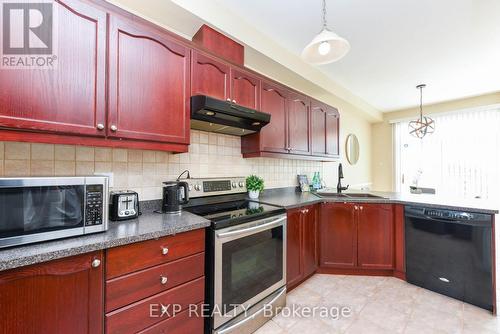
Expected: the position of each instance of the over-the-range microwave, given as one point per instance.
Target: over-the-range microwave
(34, 209)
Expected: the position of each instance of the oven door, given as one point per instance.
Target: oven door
(37, 209)
(250, 264)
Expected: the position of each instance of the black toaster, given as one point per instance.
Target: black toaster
(123, 205)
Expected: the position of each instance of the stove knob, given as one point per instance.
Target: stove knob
(197, 187)
(233, 184)
(241, 184)
(190, 187)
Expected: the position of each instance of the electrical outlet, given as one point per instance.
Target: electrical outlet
(110, 177)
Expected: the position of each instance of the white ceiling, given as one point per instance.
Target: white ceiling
(451, 45)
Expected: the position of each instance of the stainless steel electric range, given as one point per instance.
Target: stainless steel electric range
(246, 255)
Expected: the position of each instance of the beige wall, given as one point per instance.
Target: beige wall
(353, 118)
(382, 135)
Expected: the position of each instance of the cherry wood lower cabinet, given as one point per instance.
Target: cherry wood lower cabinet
(147, 277)
(60, 296)
(357, 236)
(302, 252)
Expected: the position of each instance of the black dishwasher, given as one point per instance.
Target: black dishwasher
(450, 252)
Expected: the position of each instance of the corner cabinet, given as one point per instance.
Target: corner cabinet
(324, 130)
(70, 98)
(357, 236)
(149, 84)
(302, 252)
(60, 296)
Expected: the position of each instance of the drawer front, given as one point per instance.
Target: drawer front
(182, 323)
(147, 312)
(129, 288)
(127, 259)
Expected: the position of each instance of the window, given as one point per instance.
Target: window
(460, 159)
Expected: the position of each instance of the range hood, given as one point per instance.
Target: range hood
(209, 114)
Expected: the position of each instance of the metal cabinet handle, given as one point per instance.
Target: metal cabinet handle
(113, 128)
(355, 207)
(164, 250)
(100, 126)
(163, 280)
(361, 207)
(96, 263)
(234, 101)
(228, 100)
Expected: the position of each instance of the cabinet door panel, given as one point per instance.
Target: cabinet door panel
(149, 84)
(71, 97)
(274, 135)
(245, 89)
(294, 270)
(318, 128)
(376, 236)
(61, 296)
(338, 236)
(310, 237)
(298, 124)
(209, 77)
(332, 131)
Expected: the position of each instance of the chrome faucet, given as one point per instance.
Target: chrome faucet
(339, 184)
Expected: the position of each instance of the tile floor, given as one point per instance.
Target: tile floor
(379, 305)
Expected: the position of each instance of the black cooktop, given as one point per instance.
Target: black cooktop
(228, 213)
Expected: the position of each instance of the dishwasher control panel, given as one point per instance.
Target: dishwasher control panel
(448, 214)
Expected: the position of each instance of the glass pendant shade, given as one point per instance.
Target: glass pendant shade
(325, 48)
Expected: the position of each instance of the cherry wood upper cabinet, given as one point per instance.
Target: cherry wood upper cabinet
(318, 128)
(149, 84)
(61, 296)
(294, 270)
(245, 89)
(338, 235)
(310, 237)
(298, 124)
(210, 77)
(375, 236)
(332, 131)
(71, 97)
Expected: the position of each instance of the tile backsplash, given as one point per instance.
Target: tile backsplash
(210, 155)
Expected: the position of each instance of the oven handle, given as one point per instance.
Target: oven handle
(236, 325)
(257, 228)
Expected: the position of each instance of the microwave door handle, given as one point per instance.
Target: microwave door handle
(230, 329)
(257, 228)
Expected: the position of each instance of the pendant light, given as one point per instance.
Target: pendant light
(326, 47)
(423, 125)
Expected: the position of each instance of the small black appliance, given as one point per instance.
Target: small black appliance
(175, 194)
(123, 205)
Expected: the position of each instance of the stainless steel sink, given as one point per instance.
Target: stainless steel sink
(347, 195)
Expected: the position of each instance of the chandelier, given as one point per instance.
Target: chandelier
(423, 125)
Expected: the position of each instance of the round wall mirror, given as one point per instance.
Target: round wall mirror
(352, 149)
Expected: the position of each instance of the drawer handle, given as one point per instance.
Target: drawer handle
(163, 280)
(96, 263)
(164, 250)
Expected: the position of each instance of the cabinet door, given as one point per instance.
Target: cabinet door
(69, 98)
(332, 132)
(338, 235)
(148, 84)
(209, 77)
(273, 137)
(375, 236)
(61, 296)
(298, 124)
(245, 89)
(310, 237)
(318, 128)
(294, 270)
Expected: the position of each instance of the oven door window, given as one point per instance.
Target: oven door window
(250, 265)
(31, 210)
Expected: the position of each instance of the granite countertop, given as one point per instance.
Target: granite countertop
(150, 225)
(289, 198)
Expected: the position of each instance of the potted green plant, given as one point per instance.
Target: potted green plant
(254, 185)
